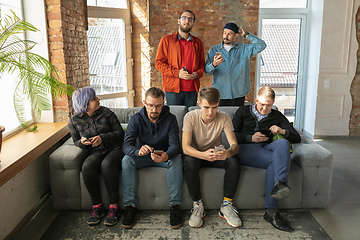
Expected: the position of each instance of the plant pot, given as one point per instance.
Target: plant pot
(1, 131)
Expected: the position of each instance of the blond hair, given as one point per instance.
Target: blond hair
(267, 92)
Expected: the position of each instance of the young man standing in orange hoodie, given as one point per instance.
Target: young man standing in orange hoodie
(180, 59)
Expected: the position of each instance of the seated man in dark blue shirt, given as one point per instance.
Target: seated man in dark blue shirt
(153, 128)
(254, 127)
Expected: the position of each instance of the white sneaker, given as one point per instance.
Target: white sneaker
(230, 214)
(197, 214)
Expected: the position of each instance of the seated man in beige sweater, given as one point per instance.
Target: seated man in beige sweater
(201, 145)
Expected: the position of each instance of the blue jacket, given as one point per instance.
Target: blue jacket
(232, 77)
(161, 135)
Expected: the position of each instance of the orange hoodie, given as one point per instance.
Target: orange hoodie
(168, 61)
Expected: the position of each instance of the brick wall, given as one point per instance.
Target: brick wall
(354, 124)
(151, 19)
(140, 48)
(68, 48)
(211, 16)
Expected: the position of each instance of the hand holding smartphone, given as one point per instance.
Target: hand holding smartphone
(185, 69)
(219, 148)
(85, 140)
(158, 152)
(266, 132)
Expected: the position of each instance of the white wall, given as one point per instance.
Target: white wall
(21, 194)
(338, 62)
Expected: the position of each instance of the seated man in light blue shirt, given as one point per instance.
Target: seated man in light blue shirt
(229, 63)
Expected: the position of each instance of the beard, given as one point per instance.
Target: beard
(154, 116)
(185, 30)
(227, 41)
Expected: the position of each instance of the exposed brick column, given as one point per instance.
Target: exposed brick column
(211, 16)
(354, 124)
(68, 48)
(140, 49)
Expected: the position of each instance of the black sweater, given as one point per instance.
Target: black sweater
(246, 124)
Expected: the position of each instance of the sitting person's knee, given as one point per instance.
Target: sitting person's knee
(283, 142)
(127, 162)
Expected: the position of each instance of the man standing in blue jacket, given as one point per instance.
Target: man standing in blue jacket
(152, 140)
(229, 63)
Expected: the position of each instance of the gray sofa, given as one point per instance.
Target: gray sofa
(309, 178)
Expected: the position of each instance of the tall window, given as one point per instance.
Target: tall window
(8, 82)
(281, 66)
(110, 58)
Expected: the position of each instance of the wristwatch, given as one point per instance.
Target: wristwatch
(246, 33)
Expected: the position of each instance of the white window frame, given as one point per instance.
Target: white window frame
(119, 13)
(291, 13)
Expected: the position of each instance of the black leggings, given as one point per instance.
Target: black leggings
(192, 166)
(109, 164)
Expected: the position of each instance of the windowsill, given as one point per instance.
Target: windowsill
(23, 148)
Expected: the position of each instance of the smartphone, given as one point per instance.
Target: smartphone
(185, 69)
(86, 140)
(218, 53)
(158, 152)
(266, 132)
(219, 148)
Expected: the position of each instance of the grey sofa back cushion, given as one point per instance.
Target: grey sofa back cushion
(124, 114)
(179, 112)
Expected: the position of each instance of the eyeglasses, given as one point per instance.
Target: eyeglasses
(190, 19)
(157, 107)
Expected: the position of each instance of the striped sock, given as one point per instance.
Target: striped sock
(227, 201)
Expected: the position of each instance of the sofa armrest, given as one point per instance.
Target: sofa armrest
(65, 166)
(317, 165)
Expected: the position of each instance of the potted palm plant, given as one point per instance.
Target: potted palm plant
(36, 76)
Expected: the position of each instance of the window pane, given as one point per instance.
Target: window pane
(108, 3)
(8, 82)
(279, 61)
(107, 55)
(115, 102)
(283, 3)
(9, 120)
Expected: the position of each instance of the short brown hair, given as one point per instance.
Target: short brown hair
(211, 94)
(267, 92)
(154, 92)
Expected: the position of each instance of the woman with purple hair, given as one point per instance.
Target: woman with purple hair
(98, 130)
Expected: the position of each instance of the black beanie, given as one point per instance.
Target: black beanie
(233, 27)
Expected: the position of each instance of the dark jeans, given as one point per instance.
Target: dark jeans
(192, 166)
(237, 102)
(187, 99)
(274, 157)
(110, 165)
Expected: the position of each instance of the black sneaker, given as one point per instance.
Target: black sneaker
(96, 214)
(112, 217)
(129, 217)
(280, 190)
(175, 217)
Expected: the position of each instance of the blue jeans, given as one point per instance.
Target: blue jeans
(274, 157)
(130, 177)
(187, 99)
